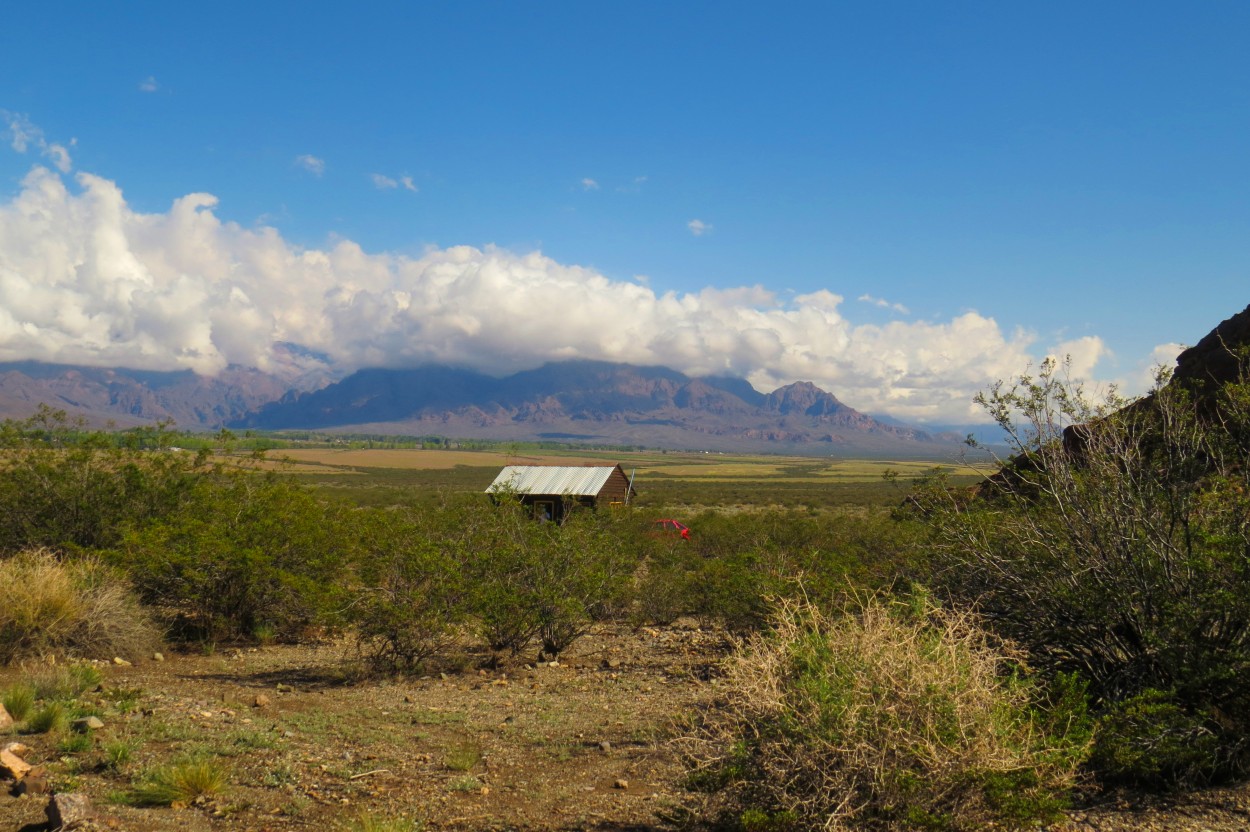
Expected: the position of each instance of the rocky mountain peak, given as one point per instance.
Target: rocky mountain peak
(1214, 360)
(803, 397)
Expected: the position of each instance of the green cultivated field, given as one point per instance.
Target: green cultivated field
(386, 476)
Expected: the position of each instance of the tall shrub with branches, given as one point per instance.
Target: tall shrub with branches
(1115, 543)
(544, 581)
(413, 596)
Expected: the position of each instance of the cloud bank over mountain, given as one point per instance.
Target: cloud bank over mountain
(85, 279)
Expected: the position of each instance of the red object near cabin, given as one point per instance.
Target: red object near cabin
(671, 528)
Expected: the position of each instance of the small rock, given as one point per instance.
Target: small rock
(408, 699)
(11, 762)
(605, 747)
(614, 663)
(35, 783)
(261, 701)
(87, 723)
(69, 811)
(120, 662)
(158, 657)
(284, 688)
(621, 784)
(6, 720)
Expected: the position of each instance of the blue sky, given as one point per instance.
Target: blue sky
(979, 183)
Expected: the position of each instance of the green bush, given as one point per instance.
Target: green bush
(585, 572)
(65, 487)
(1117, 550)
(247, 553)
(543, 580)
(890, 715)
(735, 563)
(1152, 740)
(413, 596)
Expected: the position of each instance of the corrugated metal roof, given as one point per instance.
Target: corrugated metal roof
(577, 481)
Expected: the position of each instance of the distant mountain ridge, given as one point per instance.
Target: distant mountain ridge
(595, 401)
(132, 397)
(575, 401)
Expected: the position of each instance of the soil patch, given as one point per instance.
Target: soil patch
(578, 745)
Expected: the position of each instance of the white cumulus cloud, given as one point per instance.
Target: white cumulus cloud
(86, 279)
(1163, 356)
(884, 304)
(589, 184)
(698, 227)
(23, 135)
(389, 183)
(311, 163)
(149, 84)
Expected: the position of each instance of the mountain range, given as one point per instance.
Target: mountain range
(574, 401)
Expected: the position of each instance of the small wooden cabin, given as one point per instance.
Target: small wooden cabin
(551, 491)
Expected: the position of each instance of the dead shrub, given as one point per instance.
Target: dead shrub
(890, 716)
(73, 606)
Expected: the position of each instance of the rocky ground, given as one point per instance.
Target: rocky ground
(581, 744)
(578, 744)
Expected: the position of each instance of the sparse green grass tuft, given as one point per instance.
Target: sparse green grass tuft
(63, 681)
(117, 754)
(380, 823)
(465, 784)
(52, 718)
(180, 783)
(463, 757)
(265, 634)
(75, 743)
(19, 700)
(124, 700)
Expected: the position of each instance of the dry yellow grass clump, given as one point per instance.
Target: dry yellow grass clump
(890, 716)
(68, 606)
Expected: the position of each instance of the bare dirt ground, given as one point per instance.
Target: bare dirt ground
(578, 746)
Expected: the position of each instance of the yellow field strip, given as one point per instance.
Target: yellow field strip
(416, 459)
(668, 467)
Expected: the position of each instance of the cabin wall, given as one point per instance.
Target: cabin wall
(615, 489)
